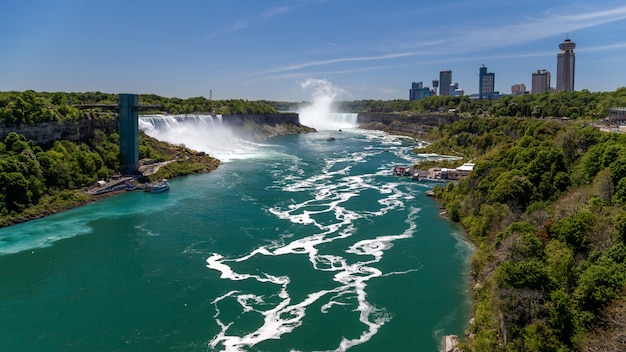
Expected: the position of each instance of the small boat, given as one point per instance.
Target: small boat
(330, 139)
(401, 171)
(157, 187)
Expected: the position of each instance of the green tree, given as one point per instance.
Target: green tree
(600, 283)
(530, 273)
(560, 264)
(512, 188)
(574, 230)
(14, 186)
(563, 315)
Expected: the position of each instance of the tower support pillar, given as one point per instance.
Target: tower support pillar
(129, 132)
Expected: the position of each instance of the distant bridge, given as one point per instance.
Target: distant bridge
(116, 107)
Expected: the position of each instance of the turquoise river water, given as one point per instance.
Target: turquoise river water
(298, 244)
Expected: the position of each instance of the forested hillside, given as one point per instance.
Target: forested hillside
(578, 104)
(545, 206)
(17, 108)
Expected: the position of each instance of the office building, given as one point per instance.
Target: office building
(486, 83)
(541, 82)
(445, 80)
(419, 92)
(565, 66)
(435, 86)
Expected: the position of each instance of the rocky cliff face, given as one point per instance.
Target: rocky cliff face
(421, 119)
(257, 126)
(406, 124)
(262, 119)
(48, 132)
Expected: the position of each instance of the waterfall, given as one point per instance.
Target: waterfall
(150, 123)
(204, 133)
(345, 118)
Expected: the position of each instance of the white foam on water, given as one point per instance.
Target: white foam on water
(329, 193)
(329, 214)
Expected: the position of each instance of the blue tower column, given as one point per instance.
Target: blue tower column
(129, 132)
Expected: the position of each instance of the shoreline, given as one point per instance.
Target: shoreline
(80, 197)
(78, 203)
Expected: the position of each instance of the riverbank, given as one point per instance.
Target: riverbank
(69, 199)
(64, 200)
(171, 161)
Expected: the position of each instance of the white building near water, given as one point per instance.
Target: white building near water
(465, 169)
(451, 174)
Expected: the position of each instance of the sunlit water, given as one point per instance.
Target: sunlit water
(299, 244)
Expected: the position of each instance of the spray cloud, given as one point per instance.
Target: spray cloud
(319, 114)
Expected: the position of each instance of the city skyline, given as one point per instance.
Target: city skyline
(540, 82)
(268, 50)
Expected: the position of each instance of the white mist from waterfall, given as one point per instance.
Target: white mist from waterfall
(319, 113)
(207, 134)
(203, 133)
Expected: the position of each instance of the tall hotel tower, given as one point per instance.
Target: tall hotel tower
(541, 81)
(445, 80)
(565, 61)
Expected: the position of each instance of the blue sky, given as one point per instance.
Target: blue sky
(267, 49)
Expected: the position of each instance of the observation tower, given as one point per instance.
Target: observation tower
(565, 66)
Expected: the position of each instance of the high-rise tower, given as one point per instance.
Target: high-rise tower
(445, 80)
(565, 64)
(486, 83)
(541, 81)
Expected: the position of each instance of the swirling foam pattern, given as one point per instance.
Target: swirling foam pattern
(337, 202)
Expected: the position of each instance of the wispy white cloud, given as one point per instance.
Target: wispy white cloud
(244, 23)
(547, 25)
(476, 39)
(275, 11)
(342, 60)
(603, 48)
(319, 73)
